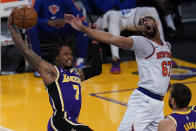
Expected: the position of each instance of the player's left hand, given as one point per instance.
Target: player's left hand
(75, 22)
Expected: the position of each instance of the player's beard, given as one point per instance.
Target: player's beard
(67, 67)
(150, 31)
(63, 65)
(170, 104)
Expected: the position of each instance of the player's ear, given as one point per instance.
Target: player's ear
(172, 101)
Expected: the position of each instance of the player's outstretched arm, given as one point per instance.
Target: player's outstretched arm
(95, 67)
(101, 36)
(47, 71)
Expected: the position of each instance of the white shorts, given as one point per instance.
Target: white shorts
(143, 113)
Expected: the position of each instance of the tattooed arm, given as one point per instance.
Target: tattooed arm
(47, 71)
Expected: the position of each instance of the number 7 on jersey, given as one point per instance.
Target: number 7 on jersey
(76, 87)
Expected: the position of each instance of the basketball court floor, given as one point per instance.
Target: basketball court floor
(24, 102)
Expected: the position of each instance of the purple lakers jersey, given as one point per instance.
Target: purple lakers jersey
(65, 95)
(184, 121)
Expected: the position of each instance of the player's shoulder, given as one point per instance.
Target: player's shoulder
(139, 38)
(167, 124)
(168, 44)
(167, 120)
(57, 68)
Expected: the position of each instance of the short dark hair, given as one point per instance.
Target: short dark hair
(144, 18)
(181, 94)
(69, 42)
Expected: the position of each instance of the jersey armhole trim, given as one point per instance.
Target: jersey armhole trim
(59, 89)
(72, 123)
(168, 46)
(58, 74)
(173, 119)
(152, 52)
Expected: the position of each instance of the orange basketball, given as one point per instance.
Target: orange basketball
(24, 17)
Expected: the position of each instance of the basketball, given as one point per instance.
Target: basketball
(24, 17)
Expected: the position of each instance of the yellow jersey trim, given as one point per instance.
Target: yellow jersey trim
(51, 122)
(183, 113)
(174, 120)
(59, 89)
(54, 107)
(71, 122)
(192, 108)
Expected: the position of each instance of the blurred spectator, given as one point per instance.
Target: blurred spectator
(117, 21)
(52, 27)
(99, 7)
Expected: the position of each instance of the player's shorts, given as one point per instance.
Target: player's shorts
(64, 125)
(143, 113)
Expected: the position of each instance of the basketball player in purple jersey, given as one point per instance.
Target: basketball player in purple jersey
(183, 118)
(62, 82)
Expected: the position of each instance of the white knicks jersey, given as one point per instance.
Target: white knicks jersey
(154, 64)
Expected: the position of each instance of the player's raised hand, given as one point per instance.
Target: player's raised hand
(75, 22)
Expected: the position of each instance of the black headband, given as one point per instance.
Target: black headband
(145, 18)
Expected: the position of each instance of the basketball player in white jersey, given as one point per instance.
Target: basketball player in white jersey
(127, 19)
(153, 55)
